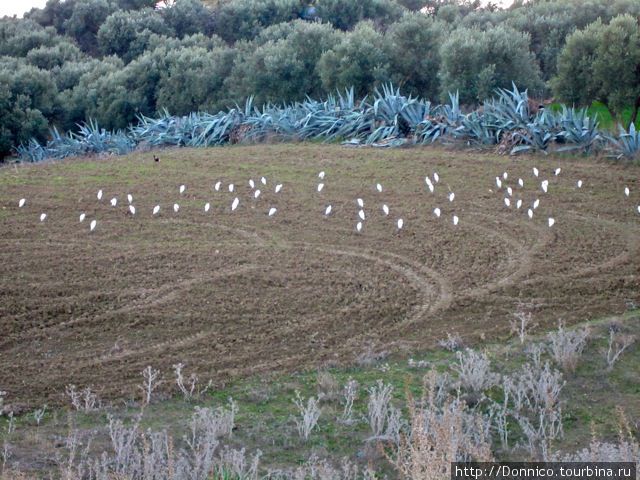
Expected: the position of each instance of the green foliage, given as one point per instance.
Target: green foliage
(203, 70)
(414, 54)
(27, 97)
(574, 84)
(244, 19)
(476, 62)
(85, 21)
(359, 61)
(101, 94)
(282, 70)
(188, 17)
(68, 74)
(602, 62)
(48, 58)
(18, 37)
(549, 23)
(54, 14)
(345, 14)
(126, 34)
(113, 60)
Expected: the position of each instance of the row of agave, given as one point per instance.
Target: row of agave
(386, 119)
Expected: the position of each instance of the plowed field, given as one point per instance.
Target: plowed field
(231, 293)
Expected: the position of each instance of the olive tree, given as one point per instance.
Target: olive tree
(193, 79)
(27, 100)
(602, 62)
(476, 62)
(126, 34)
(244, 19)
(282, 70)
(360, 60)
(345, 14)
(414, 54)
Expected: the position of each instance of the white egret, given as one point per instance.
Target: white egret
(156, 209)
(176, 207)
(235, 203)
(216, 187)
(92, 225)
(385, 209)
(535, 171)
(231, 187)
(455, 220)
(21, 203)
(536, 203)
(256, 194)
(99, 195)
(437, 212)
(551, 222)
(545, 185)
(530, 213)
(278, 188)
(579, 183)
(429, 184)
(436, 177)
(452, 196)
(510, 191)
(321, 175)
(207, 206)
(132, 209)
(114, 201)
(361, 214)
(519, 203)
(557, 171)
(498, 182)
(507, 202)
(82, 217)
(521, 182)
(320, 187)
(378, 187)
(263, 180)
(626, 191)
(43, 216)
(359, 227)
(360, 202)
(505, 175)
(400, 223)
(129, 198)
(252, 184)
(638, 208)
(182, 189)
(272, 211)
(327, 210)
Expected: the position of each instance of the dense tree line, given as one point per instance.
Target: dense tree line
(112, 60)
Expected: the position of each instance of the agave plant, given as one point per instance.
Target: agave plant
(579, 130)
(31, 152)
(386, 119)
(533, 137)
(626, 145)
(477, 130)
(509, 111)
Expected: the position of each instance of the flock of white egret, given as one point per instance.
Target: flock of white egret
(512, 198)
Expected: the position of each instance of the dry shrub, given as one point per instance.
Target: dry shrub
(567, 346)
(439, 434)
(474, 370)
(627, 449)
(328, 387)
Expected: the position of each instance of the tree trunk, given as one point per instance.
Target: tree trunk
(634, 113)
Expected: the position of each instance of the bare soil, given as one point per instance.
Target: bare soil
(232, 294)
